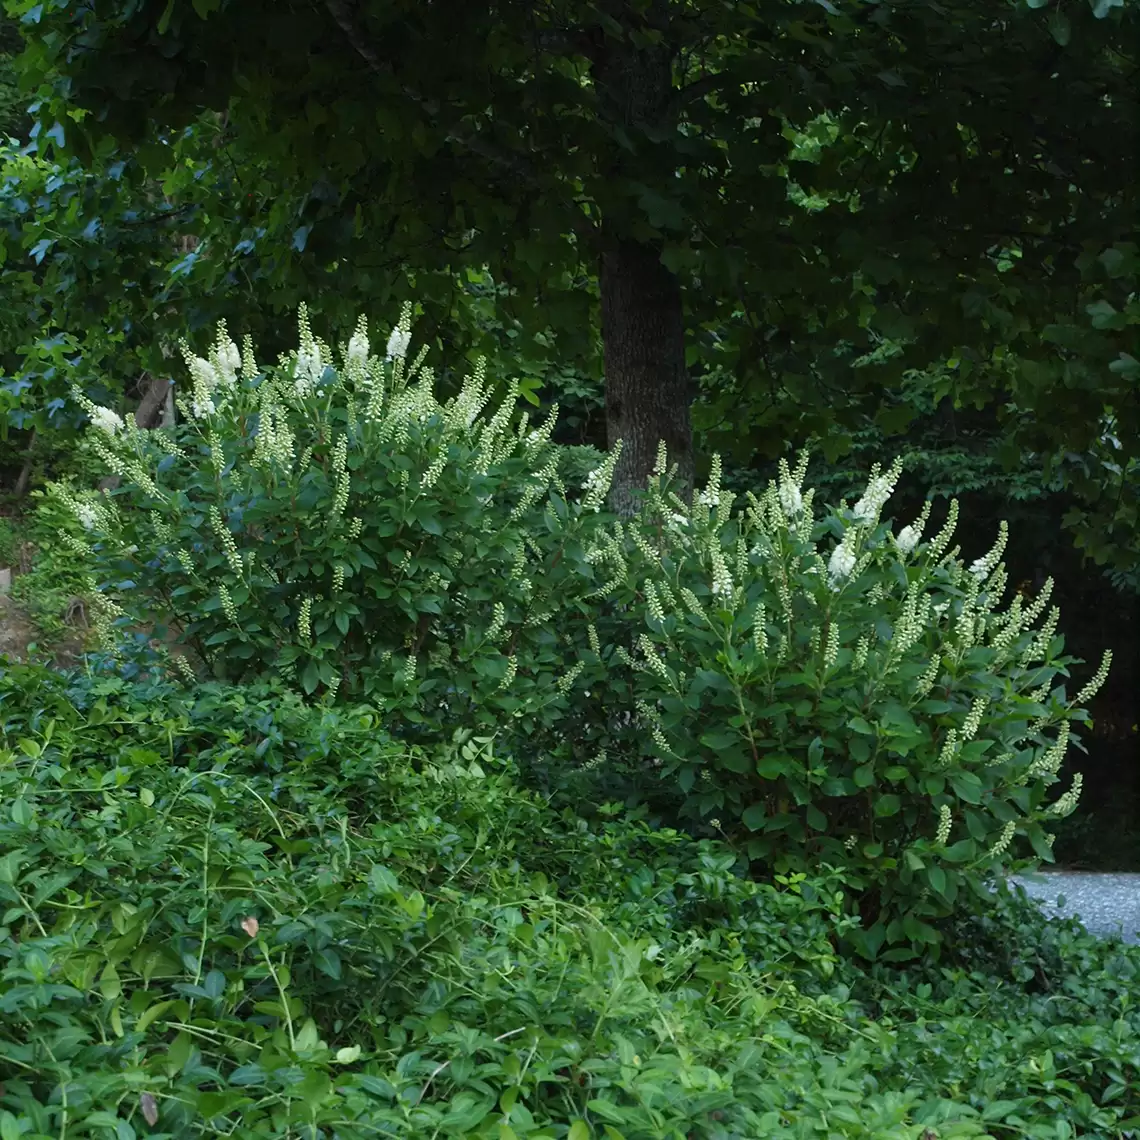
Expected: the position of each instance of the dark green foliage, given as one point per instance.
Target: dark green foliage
(841, 194)
(436, 952)
(818, 686)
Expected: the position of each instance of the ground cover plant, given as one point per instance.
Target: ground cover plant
(229, 913)
(815, 684)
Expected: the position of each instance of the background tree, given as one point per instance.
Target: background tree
(958, 161)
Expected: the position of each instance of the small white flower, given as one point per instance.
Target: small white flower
(357, 355)
(87, 515)
(841, 564)
(677, 521)
(709, 500)
(979, 568)
(308, 370)
(878, 491)
(791, 500)
(203, 374)
(398, 344)
(107, 421)
(229, 362)
(906, 540)
(201, 408)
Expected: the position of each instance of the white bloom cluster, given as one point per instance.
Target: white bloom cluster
(982, 567)
(878, 491)
(1050, 763)
(941, 541)
(692, 604)
(842, 562)
(311, 360)
(653, 602)
(106, 420)
(356, 354)
(949, 749)
(305, 621)
(945, 820)
(1001, 844)
(399, 342)
(721, 579)
(510, 674)
(1067, 803)
(906, 540)
(789, 491)
(598, 482)
(973, 719)
(791, 500)
(308, 370)
(831, 646)
(760, 631)
(1094, 685)
(227, 540)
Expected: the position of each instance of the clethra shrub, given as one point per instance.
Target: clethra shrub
(814, 685)
(343, 529)
(827, 690)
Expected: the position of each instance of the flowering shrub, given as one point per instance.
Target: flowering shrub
(346, 529)
(825, 690)
(815, 686)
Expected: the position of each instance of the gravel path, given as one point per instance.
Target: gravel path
(1107, 904)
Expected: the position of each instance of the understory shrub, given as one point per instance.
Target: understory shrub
(835, 692)
(226, 912)
(809, 684)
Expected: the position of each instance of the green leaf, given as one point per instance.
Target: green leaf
(887, 805)
(579, 1130)
(960, 852)
(328, 962)
(311, 675)
(774, 765)
(967, 786)
(753, 817)
(382, 880)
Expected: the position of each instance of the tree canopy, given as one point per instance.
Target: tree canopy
(787, 207)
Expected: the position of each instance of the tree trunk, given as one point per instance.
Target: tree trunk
(25, 476)
(149, 413)
(647, 384)
(643, 334)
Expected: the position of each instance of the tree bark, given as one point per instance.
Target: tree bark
(643, 333)
(25, 476)
(150, 410)
(647, 384)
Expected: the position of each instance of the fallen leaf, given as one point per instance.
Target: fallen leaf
(250, 926)
(149, 1109)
